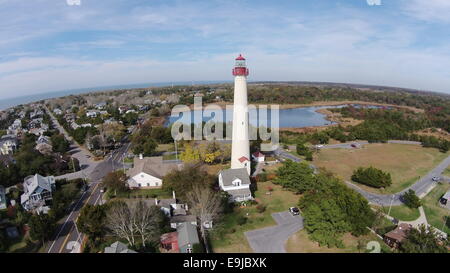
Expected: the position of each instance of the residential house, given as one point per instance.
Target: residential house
(74, 125)
(2, 197)
(123, 109)
(8, 144)
(118, 247)
(181, 241)
(57, 111)
(91, 114)
(6, 160)
(15, 128)
(100, 106)
(43, 145)
(37, 193)
(395, 237)
(236, 183)
(258, 157)
(178, 213)
(147, 172)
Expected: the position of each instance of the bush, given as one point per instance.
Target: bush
(411, 200)
(372, 177)
(241, 220)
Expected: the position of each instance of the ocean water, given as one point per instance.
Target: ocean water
(11, 102)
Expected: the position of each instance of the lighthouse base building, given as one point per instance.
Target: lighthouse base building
(236, 181)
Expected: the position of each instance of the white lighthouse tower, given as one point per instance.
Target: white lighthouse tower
(240, 150)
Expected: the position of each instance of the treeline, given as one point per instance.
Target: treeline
(329, 208)
(145, 140)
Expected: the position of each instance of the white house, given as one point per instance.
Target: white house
(8, 144)
(91, 114)
(37, 193)
(258, 157)
(147, 172)
(236, 183)
(57, 111)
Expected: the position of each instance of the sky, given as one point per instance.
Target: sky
(51, 45)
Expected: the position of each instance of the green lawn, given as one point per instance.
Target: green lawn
(144, 193)
(436, 215)
(447, 172)
(229, 235)
(405, 163)
(402, 213)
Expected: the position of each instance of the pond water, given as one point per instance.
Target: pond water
(288, 118)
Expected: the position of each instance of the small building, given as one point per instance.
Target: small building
(3, 204)
(258, 156)
(91, 114)
(37, 193)
(181, 241)
(118, 247)
(57, 111)
(236, 183)
(147, 172)
(395, 237)
(445, 200)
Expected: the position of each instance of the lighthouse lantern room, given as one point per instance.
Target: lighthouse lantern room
(240, 69)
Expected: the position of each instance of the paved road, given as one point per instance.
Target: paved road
(273, 239)
(421, 187)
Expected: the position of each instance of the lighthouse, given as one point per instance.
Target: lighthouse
(240, 149)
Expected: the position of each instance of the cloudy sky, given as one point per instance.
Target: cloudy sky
(49, 45)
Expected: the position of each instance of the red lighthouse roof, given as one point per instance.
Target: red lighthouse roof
(240, 58)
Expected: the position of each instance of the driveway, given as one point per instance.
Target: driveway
(272, 239)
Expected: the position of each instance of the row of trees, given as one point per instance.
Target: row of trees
(329, 207)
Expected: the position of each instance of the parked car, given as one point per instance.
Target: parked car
(102, 190)
(353, 145)
(294, 211)
(435, 178)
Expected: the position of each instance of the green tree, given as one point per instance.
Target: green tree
(115, 181)
(42, 227)
(298, 177)
(182, 181)
(411, 199)
(422, 240)
(60, 144)
(91, 221)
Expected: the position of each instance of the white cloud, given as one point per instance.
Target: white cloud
(428, 10)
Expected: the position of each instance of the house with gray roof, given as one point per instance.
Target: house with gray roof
(445, 200)
(187, 237)
(236, 183)
(118, 247)
(147, 172)
(37, 193)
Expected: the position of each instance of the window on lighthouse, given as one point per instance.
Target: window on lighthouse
(240, 63)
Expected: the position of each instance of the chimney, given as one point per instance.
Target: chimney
(141, 156)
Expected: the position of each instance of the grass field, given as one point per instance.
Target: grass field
(232, 238)
(436, 215)
(405, 163)
(447, 172)
(402, 213)
(300, 243)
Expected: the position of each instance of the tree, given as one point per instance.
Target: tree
(206, 205)
(372, 177)
(422, 240)
(137, 220)
(42, 227)
(115, 181)
(182, 181)
(60, 144)
(411, 199)
(91, 221)
(190, 155)
(297, 177)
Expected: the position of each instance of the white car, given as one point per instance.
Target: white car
(294, 211)
(319, 146)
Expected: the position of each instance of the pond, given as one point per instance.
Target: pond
(288, 118)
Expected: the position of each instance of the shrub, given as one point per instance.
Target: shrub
(411, 199)
(372, 177)
(241, 220)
